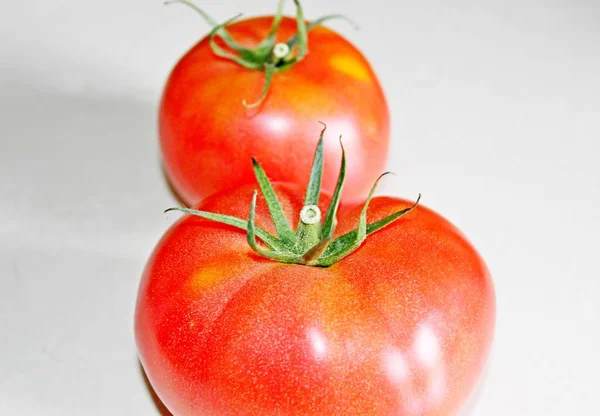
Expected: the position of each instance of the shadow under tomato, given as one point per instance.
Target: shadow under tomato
(171, 187)
(173, 191)
(471, 404)
(160, 406)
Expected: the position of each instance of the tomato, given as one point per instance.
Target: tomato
(400, 326)
(207, 134)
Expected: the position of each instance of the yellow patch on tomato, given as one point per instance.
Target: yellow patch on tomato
(350, 66)
(207, 277)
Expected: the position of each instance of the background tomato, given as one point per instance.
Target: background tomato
(207, 135)
(401, 326)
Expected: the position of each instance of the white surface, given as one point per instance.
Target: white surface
(496, 120)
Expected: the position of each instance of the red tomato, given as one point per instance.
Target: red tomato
(402, 326)
(207, 135)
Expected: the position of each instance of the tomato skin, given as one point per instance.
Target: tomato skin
(402, 326)
(207, 136)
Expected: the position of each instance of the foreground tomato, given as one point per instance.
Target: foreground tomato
(207, 134)
(400, 324)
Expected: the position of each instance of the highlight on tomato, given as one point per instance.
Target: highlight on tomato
(272, 305)
(254, 87)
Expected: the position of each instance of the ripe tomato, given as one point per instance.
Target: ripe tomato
(402, 326)
(207, 135)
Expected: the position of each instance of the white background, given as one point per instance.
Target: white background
(496, 120)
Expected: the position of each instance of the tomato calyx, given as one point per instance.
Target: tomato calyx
(312, 242)
(268, 56)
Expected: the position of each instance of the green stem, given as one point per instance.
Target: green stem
(308, 233)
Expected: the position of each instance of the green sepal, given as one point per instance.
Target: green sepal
(221, 31)
(269, 71)
(378, 225)
(330, 218)
(280, 221)
(281, 256)
(316, 173)
(371, 228)
(340, 251)
(246, 58)
(302, 35)
(265, 47)
(266, 238)
(311, 257)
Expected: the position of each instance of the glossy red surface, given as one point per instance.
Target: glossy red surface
(402, 326)
(208, 137)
